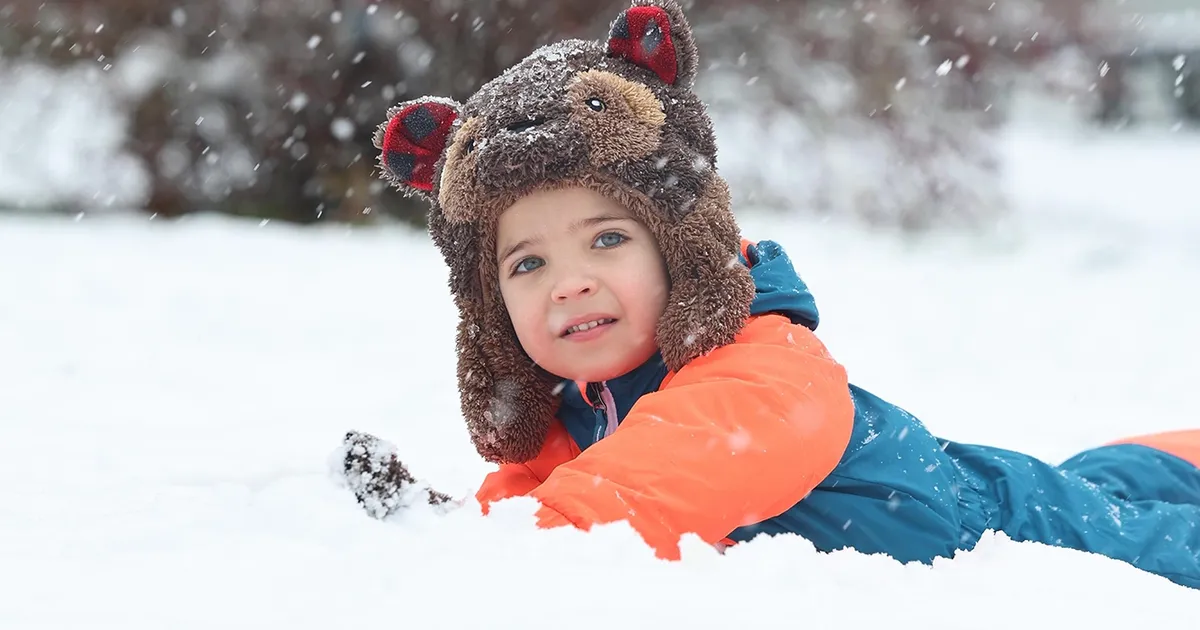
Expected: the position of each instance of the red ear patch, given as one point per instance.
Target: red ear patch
(414, 141)
(642, 35)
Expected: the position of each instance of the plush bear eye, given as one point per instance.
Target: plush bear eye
(595, 103)
(469, 147)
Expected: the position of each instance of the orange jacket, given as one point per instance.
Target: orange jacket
(737, 436)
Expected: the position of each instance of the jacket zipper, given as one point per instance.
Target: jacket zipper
(601, 399)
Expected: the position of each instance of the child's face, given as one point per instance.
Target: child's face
(572, 256)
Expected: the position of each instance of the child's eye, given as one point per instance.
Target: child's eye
(609, 239)
(525, 265)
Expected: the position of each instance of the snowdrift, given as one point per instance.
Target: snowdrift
(170, 393)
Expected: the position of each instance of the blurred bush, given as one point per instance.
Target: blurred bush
(266, 108)
(887, 110)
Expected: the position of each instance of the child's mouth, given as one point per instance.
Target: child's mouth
(582, 329)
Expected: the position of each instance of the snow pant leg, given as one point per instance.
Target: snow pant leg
(1108, 501)
(1098, 501)
(1134, 471)
(1153, 519)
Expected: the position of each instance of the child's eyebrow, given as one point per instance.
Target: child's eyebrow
(596, 220)
(516, 246)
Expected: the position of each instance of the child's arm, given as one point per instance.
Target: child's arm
(736, 437)
(512, 480)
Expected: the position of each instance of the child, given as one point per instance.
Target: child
(625, 355)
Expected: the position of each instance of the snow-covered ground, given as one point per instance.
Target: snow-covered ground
(170, 393)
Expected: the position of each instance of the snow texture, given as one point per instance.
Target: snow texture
(170, 395)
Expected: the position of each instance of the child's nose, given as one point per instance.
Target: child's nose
(574, 286)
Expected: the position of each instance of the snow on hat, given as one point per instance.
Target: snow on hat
(618, 116)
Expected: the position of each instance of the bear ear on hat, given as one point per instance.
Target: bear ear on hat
(655, 35)
(412, 140)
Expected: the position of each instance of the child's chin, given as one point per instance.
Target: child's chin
(598, 373)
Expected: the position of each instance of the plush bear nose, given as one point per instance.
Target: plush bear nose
(525, 124)
(525, 152)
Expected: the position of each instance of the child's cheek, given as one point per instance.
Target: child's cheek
(527, 322)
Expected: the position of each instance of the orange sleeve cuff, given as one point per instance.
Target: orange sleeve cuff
(514, 480)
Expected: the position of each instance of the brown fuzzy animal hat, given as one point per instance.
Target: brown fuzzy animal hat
(618, 116)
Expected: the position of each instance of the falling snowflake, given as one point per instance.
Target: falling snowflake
(342, 128)
(504, 406)
(298, 101)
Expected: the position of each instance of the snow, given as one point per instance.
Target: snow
(172, 393)
(342, 128)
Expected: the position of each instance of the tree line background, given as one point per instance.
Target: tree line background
(266, 108)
